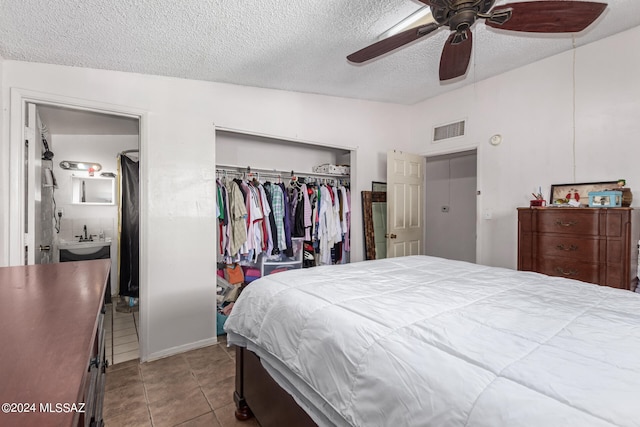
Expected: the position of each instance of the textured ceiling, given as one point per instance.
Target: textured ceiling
(296, 45)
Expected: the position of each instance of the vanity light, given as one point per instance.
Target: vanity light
(80, 166)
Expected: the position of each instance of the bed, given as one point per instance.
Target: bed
(424, 341)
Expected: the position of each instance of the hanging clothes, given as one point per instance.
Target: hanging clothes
(288, 250)
(257, 219)
(278, 204)
(238, 218)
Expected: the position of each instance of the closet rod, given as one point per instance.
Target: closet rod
(249, 169)
(242, 173)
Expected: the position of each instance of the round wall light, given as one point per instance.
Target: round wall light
(495, 139)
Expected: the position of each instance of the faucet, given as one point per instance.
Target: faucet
(85, 237)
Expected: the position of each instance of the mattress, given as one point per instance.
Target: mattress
(424, 341)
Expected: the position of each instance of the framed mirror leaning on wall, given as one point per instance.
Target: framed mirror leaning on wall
(374, 211)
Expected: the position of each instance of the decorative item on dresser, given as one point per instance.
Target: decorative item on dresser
(596, 245)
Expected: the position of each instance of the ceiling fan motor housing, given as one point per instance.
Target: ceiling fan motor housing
(459, 15)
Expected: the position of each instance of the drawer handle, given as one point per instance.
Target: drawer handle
(566, 273)
(569, 249)
(566, 224)
(94, 362)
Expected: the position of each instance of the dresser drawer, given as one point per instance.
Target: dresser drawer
(571, 269)
(570, 221)
(580, 248)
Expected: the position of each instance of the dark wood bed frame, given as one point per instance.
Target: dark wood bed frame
(257, 394)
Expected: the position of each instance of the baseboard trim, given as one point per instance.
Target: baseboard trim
(181, 349)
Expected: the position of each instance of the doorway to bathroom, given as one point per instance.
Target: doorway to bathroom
(75, 204)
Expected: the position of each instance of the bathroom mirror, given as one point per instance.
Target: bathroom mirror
(93, 190)
(374, 211)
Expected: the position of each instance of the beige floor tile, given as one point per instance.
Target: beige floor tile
(214, 373)
(220, 394)
(207, 358)
(206, 420)
(164, 366)
(162, 387)
(125, 339)
(133, 362)
(231, 351)
(125, 348)
(119, 324)
(124, 332)
(118, 314)
(125, 357)
(135, 418)
(123, 400)
(226, 417)
(122, 317)
(177, 409)
(122, 377)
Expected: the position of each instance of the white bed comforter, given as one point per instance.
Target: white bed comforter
(423, 341)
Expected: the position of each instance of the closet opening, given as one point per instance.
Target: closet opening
(281, 205)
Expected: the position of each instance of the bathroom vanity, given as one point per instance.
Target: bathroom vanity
(52, 353)
(87, 250)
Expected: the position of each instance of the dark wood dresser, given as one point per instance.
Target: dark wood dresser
(52, 344)
(596, 245)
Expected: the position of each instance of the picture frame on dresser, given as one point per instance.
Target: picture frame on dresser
(560, 191)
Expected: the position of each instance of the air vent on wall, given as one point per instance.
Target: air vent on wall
(451, 130)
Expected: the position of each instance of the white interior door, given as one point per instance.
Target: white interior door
(405, 222)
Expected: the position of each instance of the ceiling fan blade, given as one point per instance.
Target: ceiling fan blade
(456, 55)
(546, 16)
(391, 43)
(435, 3)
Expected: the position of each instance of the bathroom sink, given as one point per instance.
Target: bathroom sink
(83, 248)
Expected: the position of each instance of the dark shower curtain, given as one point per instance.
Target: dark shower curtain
(129, 232)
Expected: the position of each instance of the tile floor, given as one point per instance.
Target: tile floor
(189, 389)
(121, 335)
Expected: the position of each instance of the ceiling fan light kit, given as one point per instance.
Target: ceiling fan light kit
(540, 16)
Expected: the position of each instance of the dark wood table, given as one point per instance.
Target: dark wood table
(48, 327)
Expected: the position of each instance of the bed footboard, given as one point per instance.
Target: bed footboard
(258, 394)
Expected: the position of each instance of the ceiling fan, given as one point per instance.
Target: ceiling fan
(542, 16)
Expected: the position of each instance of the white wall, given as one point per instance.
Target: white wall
(533, 108)
(177, 172)
(265, 153)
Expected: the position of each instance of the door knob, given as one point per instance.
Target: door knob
(45, 248)
(390, 236)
